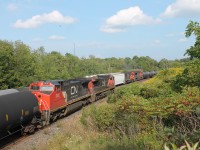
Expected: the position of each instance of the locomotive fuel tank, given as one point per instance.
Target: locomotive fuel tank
(16, 109)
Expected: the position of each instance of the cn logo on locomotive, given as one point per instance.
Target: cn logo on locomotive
(74, 90)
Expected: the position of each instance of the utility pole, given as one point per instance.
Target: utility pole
(74, 49)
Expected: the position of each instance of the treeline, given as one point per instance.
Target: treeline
(20, 65)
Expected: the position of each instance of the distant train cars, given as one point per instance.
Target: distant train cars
(46, 101)
(131, 76)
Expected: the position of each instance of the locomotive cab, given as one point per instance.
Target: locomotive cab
(49, 95)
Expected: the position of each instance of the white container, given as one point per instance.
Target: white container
(119, 78)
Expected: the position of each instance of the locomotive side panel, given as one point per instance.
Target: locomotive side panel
(129, 77)
(74, 89)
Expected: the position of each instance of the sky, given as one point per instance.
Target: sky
(102, 28)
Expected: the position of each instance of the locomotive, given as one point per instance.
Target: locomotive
(44, 102)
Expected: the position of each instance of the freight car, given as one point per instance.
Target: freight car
(119, 78)
(127, 77)
(17, 110)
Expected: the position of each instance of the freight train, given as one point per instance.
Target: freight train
(44, 102)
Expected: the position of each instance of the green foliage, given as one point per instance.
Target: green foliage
(165, 64)
(16, 65)
(145, 116)
(149, 92)
(103, 117)
(7, 74)
(20, 65)
(145, 63)
(188, 146)
(129, 90)
(193, 28)
(125, 143)
(189, 77)
(191, 73)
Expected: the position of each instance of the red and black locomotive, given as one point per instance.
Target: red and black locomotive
(46, 101)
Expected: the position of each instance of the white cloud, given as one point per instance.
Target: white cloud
(52, 17)
(111, 30)
(127, 17)
(12, 7)
(56, 37)
(182, 8)
(182, 40)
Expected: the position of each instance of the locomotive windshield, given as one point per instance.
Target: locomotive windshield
(34, 88)
(46, 88)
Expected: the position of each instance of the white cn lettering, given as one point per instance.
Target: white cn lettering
(74, 90)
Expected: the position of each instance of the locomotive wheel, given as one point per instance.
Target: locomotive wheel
(28, 130)
(92, 98)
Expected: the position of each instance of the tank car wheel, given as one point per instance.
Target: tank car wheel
(23, 133)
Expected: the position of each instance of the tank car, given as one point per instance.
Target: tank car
(17, 110)
(146, 75)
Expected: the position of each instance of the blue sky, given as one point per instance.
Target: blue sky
(103, 28)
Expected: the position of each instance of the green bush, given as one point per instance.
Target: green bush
(145, 116)
(149, 92)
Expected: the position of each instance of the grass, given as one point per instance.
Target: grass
(73, 135)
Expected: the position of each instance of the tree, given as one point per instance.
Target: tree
(193, 28)
(17, 65)
(191, 73)
(24, 64)
(7, 66)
